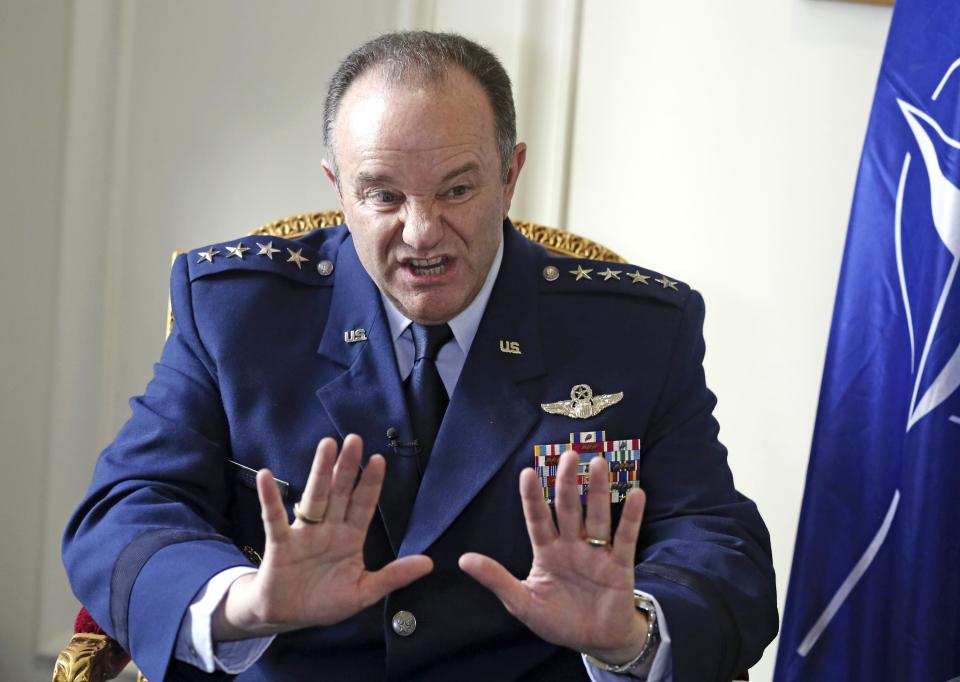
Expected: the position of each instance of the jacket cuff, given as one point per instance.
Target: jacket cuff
(163, 591)
(700, 622)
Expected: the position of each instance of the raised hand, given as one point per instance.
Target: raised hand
(312, 571)
(578, 594)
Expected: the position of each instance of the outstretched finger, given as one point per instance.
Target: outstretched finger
(492, 575)
(569, 509)
(317, 490)
(597, 523)
(628, 530)
(344, 478)
(366, 494)
(536, 512)
(398, 573)
(276, 526)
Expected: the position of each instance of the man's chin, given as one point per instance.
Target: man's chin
(431, 310)
(432, 318)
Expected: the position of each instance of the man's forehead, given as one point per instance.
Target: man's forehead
(427, 117)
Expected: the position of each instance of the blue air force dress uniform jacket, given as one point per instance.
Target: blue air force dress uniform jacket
(258, 369)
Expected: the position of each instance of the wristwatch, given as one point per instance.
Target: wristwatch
(647, 607)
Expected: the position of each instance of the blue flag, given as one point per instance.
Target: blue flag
(875, 588)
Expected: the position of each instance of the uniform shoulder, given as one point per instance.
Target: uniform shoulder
(563, 275)
(309, 259)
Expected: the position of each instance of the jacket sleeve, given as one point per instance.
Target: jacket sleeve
(151, 530)
(704, 551)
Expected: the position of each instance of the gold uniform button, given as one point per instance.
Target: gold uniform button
(551, 273)
(404, 623)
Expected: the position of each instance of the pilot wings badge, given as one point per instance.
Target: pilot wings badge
(582, 404)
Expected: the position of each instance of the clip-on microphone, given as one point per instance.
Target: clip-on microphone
(398, 445)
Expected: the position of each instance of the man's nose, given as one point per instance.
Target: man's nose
(422, 225)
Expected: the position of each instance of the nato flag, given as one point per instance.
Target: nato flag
(875, 588)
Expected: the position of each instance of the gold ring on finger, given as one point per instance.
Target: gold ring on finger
(300, 514)
(597, 542)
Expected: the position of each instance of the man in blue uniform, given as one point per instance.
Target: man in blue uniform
(431, 331)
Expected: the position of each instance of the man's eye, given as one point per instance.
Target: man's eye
(384, 196)
(457, 191)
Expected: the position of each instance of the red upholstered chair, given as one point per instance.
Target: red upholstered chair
(91, 655)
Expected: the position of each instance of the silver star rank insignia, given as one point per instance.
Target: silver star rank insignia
(208, 255)
(638, 278)
(267, 250)
(666, 283)
(581, 273)
(608, 274)
(582, 404)
(237, 251)
(296, 257)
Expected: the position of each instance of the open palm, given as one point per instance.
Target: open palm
(577, 594)
(312, 571)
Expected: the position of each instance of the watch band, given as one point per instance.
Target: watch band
(645, 605)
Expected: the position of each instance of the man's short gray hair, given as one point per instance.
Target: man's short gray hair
(429, 56)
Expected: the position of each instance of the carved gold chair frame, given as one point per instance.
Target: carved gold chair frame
(95, 658)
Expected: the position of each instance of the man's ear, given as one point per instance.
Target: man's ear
(332, 177)
(513, 172)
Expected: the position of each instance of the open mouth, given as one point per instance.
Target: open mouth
(427, 267)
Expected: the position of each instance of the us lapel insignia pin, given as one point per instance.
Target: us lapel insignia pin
(582, 404)
(510, 347)
(354, 335)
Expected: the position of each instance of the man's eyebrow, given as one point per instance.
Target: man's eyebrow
(364, 178)
(468, 167)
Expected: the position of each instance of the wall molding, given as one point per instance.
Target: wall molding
(79, 420)
(416, 15)
(538, 42)
(546, 93)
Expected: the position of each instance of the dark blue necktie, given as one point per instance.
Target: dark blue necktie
(426, 397)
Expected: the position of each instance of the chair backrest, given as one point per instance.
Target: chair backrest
(556, 241)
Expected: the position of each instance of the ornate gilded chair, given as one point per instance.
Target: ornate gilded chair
(91, 656)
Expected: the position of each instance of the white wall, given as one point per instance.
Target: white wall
(33, 57)
(718, 142)
(715, 141)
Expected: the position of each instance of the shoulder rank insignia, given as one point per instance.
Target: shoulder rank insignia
(582, 404)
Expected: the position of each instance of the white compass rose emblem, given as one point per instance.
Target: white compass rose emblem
(934, 145)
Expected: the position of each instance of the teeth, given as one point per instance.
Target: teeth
(428, 266)
(426, 263)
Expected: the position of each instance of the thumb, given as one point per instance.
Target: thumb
(492, 575)
(398, 573)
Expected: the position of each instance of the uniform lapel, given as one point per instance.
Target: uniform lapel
(366, 397)
(488, 417)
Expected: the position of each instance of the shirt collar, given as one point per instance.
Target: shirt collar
(465, 324)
